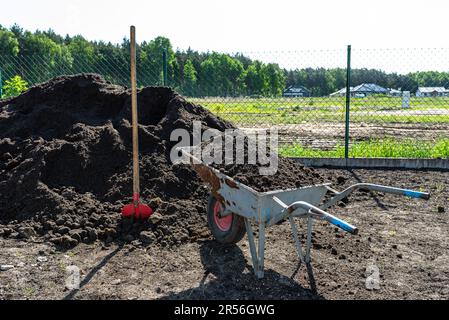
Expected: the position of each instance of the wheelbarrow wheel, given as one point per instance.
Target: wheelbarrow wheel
(226, 230)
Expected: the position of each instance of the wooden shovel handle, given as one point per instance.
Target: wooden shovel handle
(135, 123)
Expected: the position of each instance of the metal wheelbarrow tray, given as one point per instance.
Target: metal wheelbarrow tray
(233, 206)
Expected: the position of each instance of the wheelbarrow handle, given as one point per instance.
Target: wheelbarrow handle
(417, 194)
(373, 187)
(317, 212)
(334, 220)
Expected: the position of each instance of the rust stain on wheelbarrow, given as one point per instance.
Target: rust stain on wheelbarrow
(232, 184)
(208, 176)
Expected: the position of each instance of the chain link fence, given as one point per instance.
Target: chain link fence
(324, 103)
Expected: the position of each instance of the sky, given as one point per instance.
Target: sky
(268, 29)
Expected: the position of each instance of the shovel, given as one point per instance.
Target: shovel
(136, 209)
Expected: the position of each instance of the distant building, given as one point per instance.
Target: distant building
(432, 92)
(363, 90)
(341, 92)
(366, 89)
(297, 91)
(395, 93)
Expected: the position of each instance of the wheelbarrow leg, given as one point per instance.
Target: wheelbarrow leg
(252, 246)
(257, 258)
(296, 238)
(309, 238)
(261, 250)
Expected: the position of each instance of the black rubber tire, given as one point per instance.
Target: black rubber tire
(233, 235)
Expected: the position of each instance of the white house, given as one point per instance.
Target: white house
(341, 92)
(394, 92)
(432, 92)
(363, 90)
(298, 91)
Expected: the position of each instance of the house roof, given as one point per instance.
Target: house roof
(432, 89)
(341, 91)
(296, 89)
(364, 88)
(369, 88)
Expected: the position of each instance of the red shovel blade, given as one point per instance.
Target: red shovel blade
(140, 212)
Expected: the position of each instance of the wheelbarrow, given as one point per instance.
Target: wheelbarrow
(233, 207)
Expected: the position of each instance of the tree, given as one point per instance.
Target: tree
(81, 49)
(9, 45)
(152, 60)
(222, 75)
(190, 77)
(274, 80)
(254, 79)
(43, 57)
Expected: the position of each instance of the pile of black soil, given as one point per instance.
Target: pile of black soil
(264, 171)
(66, 170)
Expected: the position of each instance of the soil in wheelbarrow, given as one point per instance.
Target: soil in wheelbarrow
(66, 171)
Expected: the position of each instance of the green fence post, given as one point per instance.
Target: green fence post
(348, 102)
(165, 68)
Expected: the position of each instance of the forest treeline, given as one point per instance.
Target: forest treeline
(40, 55)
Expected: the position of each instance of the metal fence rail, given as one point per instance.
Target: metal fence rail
(325, 103)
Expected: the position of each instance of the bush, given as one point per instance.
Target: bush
(14, 86)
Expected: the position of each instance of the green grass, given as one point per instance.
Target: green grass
(386, 148)
(373, 109)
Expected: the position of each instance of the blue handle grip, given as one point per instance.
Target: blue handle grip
(343, 225)
(416, 194)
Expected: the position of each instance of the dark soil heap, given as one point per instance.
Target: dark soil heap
(66, 170)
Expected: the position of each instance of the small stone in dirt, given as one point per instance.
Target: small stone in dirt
(116, 282)
(63, 230)
(110, 232)
(109, 240)
(14, 235)
(341, 180)
(334, 251)
(65, 241)
(92, 234)
(21, 265)
(441, 210)
(158, 290)
(42, 259)
(76, 234)
(6, 267)
(155, 203)
(7, 232)
(26, 232)
(156, 218)
(128, 237)
(146, 237)
(136, 243)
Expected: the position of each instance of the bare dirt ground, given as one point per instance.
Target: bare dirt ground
(406, 239)
(328, 135)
